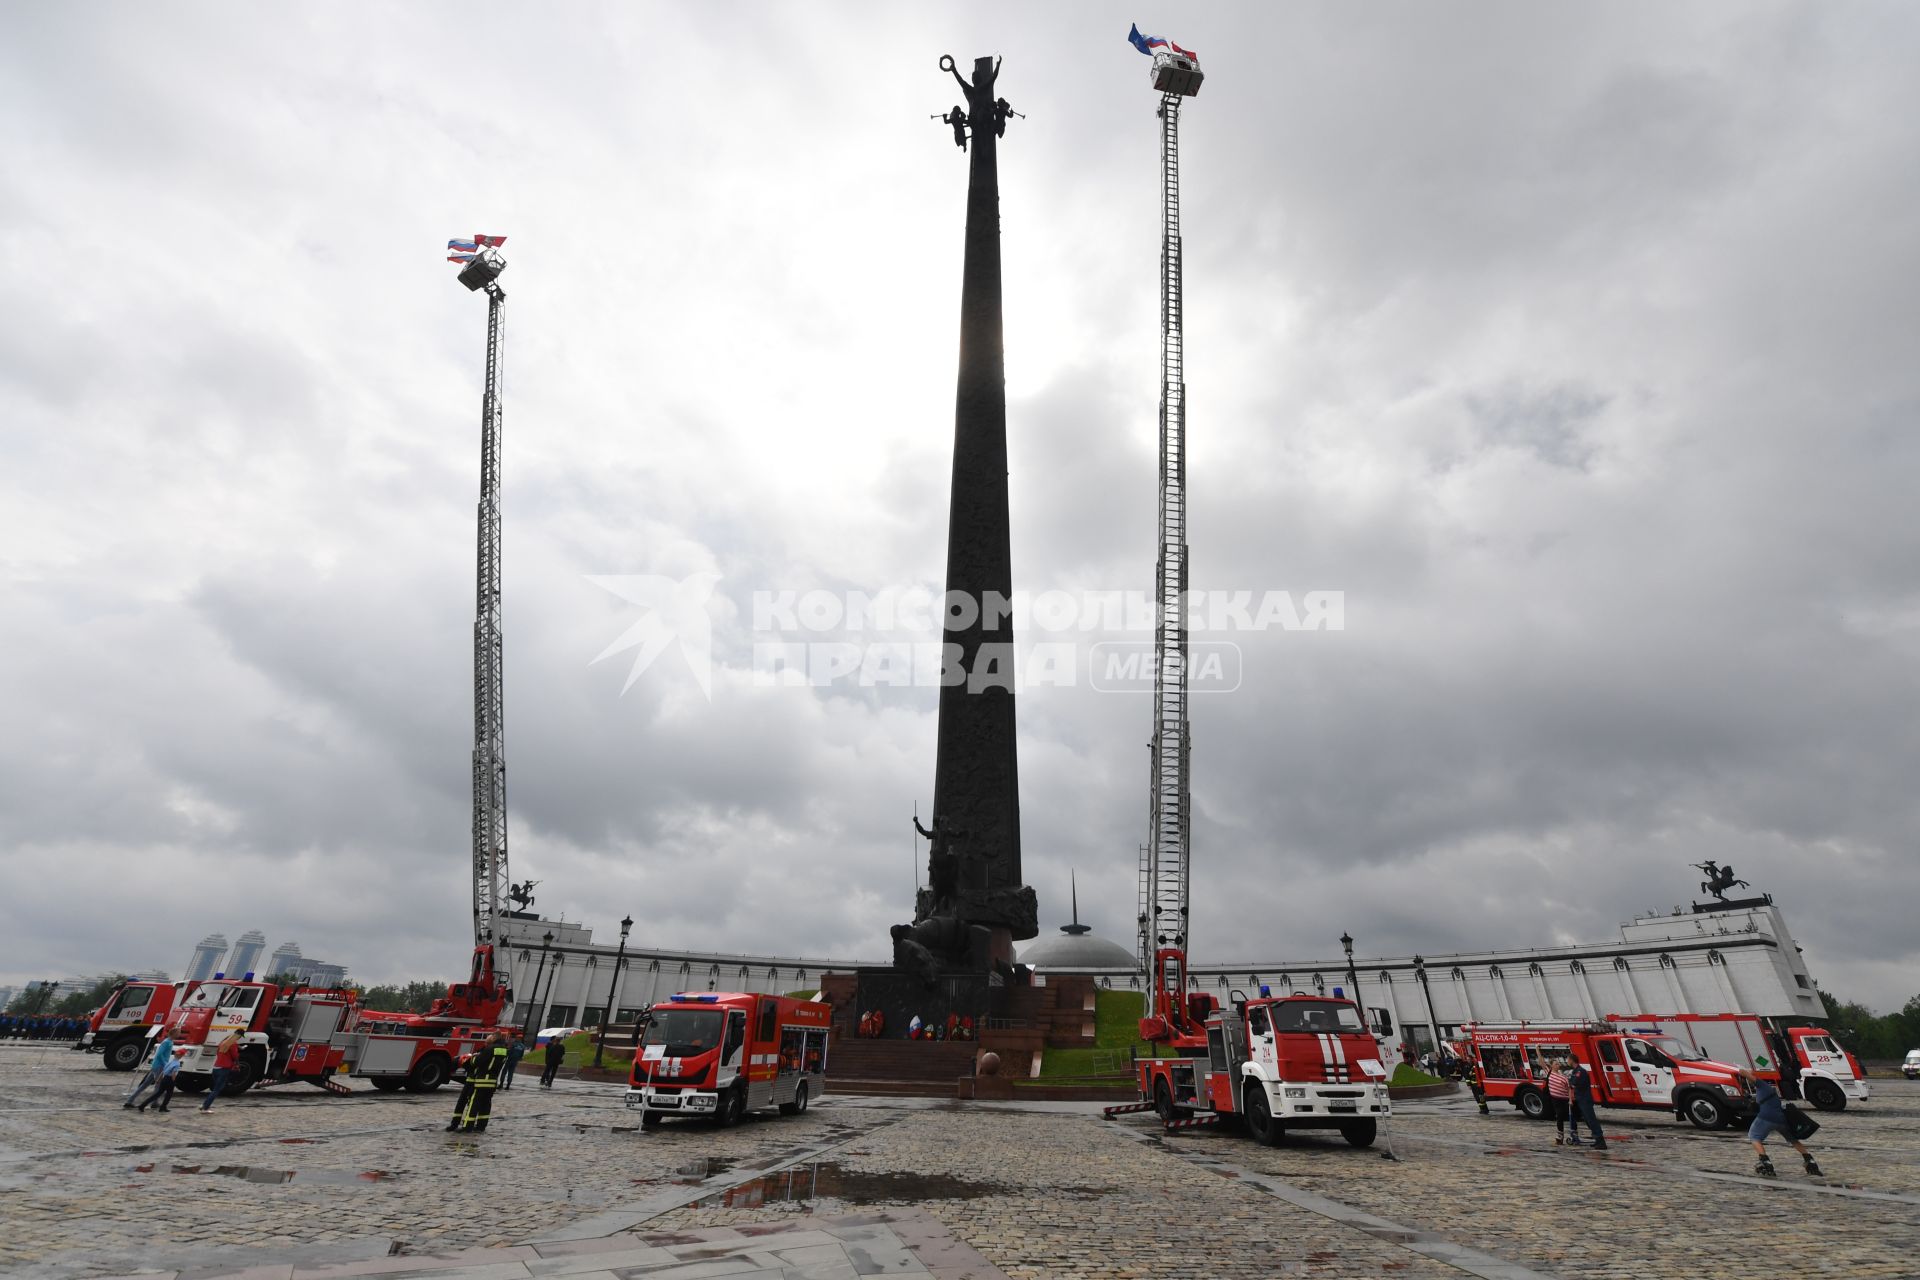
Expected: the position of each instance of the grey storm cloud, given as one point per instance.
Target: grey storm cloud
(1572, 345)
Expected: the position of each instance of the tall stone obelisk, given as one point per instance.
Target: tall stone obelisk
(975, 905)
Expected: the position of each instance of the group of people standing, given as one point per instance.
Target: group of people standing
(1570, 1094)
(40, 1026)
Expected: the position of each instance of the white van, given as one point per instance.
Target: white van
(1911, 1067)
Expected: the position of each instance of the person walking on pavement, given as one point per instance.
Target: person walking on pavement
(226, 1057)
(1581, 1082)
(468, 1065)
(516, 1050)
(162, 1054)
(483, 1076)
(1769, 1117)
(1560, 1099)
(556, 1054)
(169, 1072)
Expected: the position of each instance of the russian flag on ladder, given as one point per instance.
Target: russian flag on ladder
(1147, 44)
(468, 250)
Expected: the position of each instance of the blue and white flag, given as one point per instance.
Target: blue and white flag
(1145, 44)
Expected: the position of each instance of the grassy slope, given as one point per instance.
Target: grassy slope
(1116, 1028)
(618, 1055)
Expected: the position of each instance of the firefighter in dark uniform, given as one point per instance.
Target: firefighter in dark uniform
(484, 1068)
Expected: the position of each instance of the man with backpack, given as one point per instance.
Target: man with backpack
(1771, 1116)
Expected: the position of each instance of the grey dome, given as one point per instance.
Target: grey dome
(1076, 950)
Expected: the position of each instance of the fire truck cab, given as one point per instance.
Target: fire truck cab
(118, 1030)
(1279, 1063)
(1636, 1067)
(1804, 1062)
(722, 1054)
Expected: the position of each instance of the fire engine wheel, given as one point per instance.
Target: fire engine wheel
(1360, 1133)
(1260, 1121)
(1825, 1095)
(389, 1084)
(429, 1073)
(246, 1074)
(798, 1104)
(732, 1108)
(125, 1053)
(1532, 1104)
(1704, 1111)
(1163, 1103)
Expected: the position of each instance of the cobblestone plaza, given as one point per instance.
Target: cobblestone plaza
(293, 1183)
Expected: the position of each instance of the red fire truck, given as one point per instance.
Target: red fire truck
(1278, 1063)
(118, 1029)
(1804, 1062)
(313, 1034)
(723, 1054)
(1639, 1068)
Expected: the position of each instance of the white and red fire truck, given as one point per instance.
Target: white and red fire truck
(118, 1029)
(1277, 1063)
(1644, 1069)
(722, 1054)
(1804, 1062)
(313, 1034)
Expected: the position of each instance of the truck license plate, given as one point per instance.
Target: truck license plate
(1344, 1106)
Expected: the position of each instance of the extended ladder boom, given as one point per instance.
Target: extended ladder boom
(489, 698)
(1163, 891)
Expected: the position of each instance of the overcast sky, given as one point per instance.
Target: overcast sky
(1573, 344)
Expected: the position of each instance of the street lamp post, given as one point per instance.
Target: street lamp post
(546, 1004)
(1353, 979)
(613, 988)
(545, 943)
(1433, 1023)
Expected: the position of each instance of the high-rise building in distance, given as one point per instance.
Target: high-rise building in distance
(207, 957)
(246, 954)
(285, 957)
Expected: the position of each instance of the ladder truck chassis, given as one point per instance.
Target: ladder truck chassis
(315, 1035)
(1274, 1064)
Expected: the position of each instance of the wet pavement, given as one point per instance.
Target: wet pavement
(290, 1184)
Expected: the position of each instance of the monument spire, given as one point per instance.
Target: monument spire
(976, 787)
(1075, 929)
(974, 907)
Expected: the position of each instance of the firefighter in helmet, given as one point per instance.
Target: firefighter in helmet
(484, 1068)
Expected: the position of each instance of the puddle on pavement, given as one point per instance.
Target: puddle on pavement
(270, 1177)
(699, 1170)
(832, 1182)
